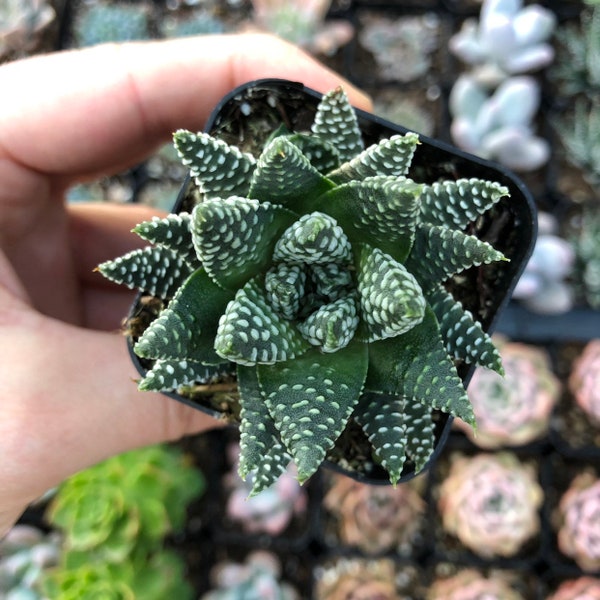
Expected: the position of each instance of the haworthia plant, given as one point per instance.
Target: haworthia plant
(318, 269)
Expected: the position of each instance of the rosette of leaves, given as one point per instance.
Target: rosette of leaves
(317, 269)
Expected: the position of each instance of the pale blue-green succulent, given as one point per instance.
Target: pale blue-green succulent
(317, 269)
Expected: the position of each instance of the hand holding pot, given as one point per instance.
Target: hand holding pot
(65, 374)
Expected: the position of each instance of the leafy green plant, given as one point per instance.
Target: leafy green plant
(114, 518)
(318, 271)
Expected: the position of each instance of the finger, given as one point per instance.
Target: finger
(105, 106)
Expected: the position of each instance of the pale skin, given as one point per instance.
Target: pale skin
(67, 395)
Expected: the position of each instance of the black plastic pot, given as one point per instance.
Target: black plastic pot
(246, 118)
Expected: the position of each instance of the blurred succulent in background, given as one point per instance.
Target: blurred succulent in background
(375, 518)
(321, 267)
(354, 579)
(410, 112)
(579, 530)
(269, 511)
(490, 503)
(25, 552)
(514, 409)
(199, 22)
(23, 24)
(470, 584)
(302, 22)
(499, 126)
(582, 588)
(577, 68)
(258, 577)
(545, 286)
(586, 242)
(401, 47)
(584, 381)
(119, 22)
(508, 39)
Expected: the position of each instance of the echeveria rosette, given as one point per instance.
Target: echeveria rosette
(318, 271)
(470, 584)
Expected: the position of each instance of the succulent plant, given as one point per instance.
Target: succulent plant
(317, 271)
(579, 531)
(374, 518)
(515, 409)
(499, 125)
(119, 22)
(402, 47)
(126, 502)
(269, 511)
(587, 251)
(357, 579)
(490, 503)
(25, 552)
(507, 40)
(470, 584)
(582, 588)
(23, 24)
(584, 381)
(258, 577)
(545, 286)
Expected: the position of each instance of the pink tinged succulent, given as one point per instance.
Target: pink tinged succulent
(469, 584)
(514, 409)
(584, 381)
(579, 533)
(582, 588)
(490, 503)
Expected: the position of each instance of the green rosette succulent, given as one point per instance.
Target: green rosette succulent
(318, 270)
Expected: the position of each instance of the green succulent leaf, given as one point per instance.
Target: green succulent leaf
(391, 300)
(439, 252)
(336, 123)
(331, 281)
(234, 237)
(187, 327)
(322, 155)
(285, 286)
(416, 364)
(172, 374)
(285, 176)
(262, 453)
(458, 203)
(311, 399)
(463, 335)
(251, 331)
(391, 157)
(157, 270)
(220, 170)
(380, 211)
(173, 232)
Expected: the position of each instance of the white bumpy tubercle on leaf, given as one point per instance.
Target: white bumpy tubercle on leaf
(317, 270)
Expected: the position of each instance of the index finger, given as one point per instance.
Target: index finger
(84, 112)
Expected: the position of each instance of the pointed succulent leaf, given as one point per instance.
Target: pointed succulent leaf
(286, 177)
(457, 203)
(285, 285)
(336, 122)
(380, 211)
(439, 252)
(322, 155)
(313, 239)
(331, 326)
(417, 365)
(420, 431)
(391, 157)
(187, 327)
(171, 374)
(261, 452)
(311, 399)
(391, 300)
(251, 332)
(157, 270)
(172, 231)
(462, 334)
(220, 170)
(234, 237)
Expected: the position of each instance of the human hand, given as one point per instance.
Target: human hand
(66, 391)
